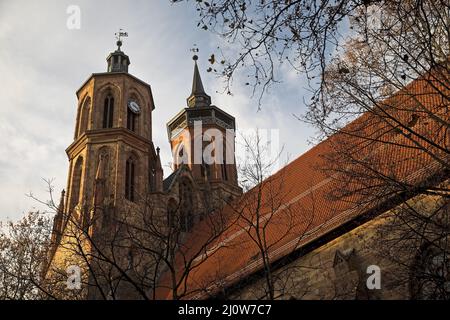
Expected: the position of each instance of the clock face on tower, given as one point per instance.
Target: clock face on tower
(134, 107)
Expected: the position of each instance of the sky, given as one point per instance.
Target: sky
(43, 63)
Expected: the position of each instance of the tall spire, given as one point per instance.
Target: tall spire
(197, 85)
(198, 97)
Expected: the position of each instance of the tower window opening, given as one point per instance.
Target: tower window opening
(108, 112)
(131, 120)
(130, 180)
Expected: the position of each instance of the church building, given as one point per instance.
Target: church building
(133, 232)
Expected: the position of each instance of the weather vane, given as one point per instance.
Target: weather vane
(119, 36)
(195, 50)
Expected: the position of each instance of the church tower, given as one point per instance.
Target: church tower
(202, 137)
(116, 180)
(113, 167)
(113, 164)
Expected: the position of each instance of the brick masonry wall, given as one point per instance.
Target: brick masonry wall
(338, 269)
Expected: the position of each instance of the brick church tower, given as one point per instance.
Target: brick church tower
(112, 161)
(113, 164)
(116, 178)
(202, 137)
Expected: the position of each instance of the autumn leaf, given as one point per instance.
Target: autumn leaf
(212, 59)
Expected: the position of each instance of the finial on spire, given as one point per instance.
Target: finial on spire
(119, 36)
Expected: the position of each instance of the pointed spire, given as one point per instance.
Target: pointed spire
(158, 159)
(198, 97)
(61, 201)
(58, 220)
(197, 85)
(159, 173)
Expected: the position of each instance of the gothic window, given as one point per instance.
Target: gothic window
(76, 183)
(431, 274)
(131, 120)
(84, 119)
(130, 179)
(186, 205)
(108, 112)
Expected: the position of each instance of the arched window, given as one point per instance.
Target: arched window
(76, 183)
(108, 112)
(84, 119)
(186, 205)
(131, 120)
(130, 179)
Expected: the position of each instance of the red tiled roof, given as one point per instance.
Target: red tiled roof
(297, 198)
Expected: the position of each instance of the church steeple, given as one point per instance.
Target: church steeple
(198, 97)
(202, 138)
(118, 61)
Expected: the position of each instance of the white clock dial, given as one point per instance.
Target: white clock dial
(134, 107)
